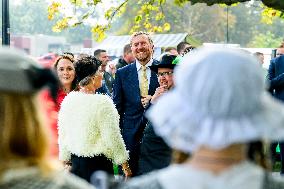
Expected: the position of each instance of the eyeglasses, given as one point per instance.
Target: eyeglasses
(164, 74)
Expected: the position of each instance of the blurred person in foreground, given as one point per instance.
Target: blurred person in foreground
(88, 126)
(24, 159)
(214, 120)
(65, 71)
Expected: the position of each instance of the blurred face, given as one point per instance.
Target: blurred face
(165, 77)
(66, 72)
(128, 57)
(280, 52)
(261, 59)
(185, 47)
(104, 59)
(173, 52)
(142, 49)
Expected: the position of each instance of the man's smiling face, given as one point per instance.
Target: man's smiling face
(141, 48)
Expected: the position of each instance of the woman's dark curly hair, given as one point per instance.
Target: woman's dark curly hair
(86, 66)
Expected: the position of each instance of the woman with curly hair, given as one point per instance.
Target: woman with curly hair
(88, 125)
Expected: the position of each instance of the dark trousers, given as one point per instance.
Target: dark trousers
(281, 144)
(84, 167)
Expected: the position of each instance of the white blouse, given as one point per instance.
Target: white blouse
(88, 125)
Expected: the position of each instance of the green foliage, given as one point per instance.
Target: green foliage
(266, 40)
(212, 2)
(31, 18)
(149, 14)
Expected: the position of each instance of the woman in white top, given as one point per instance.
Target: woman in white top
(218, 105)
(88, 125)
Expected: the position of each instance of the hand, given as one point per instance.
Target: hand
(159, 91)
(112, 69)
(126, 170)
(67, 165)
(145, 100)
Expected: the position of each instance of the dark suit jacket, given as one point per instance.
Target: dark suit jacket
(154, 152)
(108, 81)
(126, 96)
(103, 90)
(121, 63)
(276, 77)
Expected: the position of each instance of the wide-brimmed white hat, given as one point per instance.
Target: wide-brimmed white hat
(219, 99)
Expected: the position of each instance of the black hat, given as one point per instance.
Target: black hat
(166, 62)
(86, 66)
(21, 74)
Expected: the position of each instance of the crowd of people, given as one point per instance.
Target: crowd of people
(196, 117)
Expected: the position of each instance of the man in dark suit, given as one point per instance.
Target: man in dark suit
(154, 152)
(276, 79)
(126, 58)
(133, 87)
(101, 55)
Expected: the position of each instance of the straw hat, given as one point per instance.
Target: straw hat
(219, 99)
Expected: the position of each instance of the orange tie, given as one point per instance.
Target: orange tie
(143, 82)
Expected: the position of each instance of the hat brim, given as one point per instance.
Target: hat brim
(155, 68)
(188, 130)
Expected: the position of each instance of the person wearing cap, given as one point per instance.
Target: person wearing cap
(88, 126)
(212, 113)
(154, 152)
(24, 157)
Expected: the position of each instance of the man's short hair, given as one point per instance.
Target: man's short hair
(258, 54)
(168, 49)
(181, 46)
(127, 49)
(98, 52)
(141, 33)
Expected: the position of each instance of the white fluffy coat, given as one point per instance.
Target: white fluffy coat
(88, 125)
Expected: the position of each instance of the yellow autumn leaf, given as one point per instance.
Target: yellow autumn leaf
(167, 26)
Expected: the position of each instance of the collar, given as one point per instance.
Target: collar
(138, 65)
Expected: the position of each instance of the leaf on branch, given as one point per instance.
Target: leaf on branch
(269, 14)
(99, 32)
(60, 25)
(167, 26)
(138, 18)
(53, 9)
(76, 2)
(160, 16)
